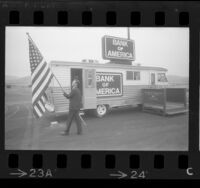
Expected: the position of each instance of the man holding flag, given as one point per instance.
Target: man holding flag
(74, 108)
(41, 76)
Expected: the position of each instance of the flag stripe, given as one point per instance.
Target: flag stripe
(35, 113)
(35, 76)
(40, 80)
(38, 68)
(41, 106)
(42, 89)
(41, 93)
(43, 98)
(39, 89)
(38, 111)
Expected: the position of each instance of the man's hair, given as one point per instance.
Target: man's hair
(77, 83)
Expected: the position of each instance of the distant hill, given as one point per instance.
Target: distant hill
(177, 79)
(11, 78)
(23, 81)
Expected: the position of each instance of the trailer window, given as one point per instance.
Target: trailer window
(90, 79)
(137, 75)
(129, 75)
(162, 77)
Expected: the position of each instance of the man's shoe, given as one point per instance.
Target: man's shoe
(80, 133)
(64, 133)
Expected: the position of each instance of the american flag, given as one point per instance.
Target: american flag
(41, 76)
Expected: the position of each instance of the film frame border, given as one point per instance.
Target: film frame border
(81, 164)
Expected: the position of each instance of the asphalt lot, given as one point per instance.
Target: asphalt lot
(122, 129)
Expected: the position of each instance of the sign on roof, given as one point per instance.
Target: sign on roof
(114, 48)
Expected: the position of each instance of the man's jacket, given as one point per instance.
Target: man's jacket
(75, 99)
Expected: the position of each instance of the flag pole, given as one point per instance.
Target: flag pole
(31, 40)
(58, 82)
(49, 67)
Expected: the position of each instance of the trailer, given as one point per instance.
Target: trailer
(103, 86)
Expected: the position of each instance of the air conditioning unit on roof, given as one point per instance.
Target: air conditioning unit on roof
(90, 61)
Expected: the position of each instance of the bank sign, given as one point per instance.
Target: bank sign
(108, 84)
(114, 48)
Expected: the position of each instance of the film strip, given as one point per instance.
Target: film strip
(94, 162)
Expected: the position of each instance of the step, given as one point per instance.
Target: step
(176, 112)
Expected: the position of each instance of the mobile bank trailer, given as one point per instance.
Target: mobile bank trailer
(103, 86)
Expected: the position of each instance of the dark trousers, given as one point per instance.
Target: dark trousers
(74, 114)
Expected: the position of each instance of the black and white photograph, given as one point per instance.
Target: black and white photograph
(97, 88)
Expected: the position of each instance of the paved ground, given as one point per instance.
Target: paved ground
(124, 129)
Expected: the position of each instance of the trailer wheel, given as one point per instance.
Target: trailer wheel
(101, 110)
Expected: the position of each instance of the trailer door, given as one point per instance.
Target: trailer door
(89, 89)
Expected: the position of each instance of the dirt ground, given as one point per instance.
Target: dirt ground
(122, 129)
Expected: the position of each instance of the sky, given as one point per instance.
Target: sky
(160, 47)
